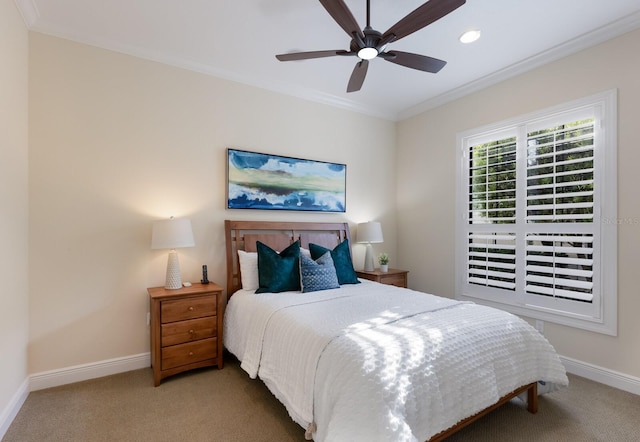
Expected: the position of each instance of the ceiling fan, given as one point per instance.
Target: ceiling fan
(368, 43)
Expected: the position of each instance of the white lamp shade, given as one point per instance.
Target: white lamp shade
(370, 232)
(172, 234)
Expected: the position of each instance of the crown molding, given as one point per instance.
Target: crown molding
(29, 11)
(600, 35)
(191, 65)
(31, 16)
(282, 88)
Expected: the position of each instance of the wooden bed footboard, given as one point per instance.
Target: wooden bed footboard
(532, 407)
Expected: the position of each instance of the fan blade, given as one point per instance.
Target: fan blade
(343, 16)
(415, 61)
(313, 54)
(423, 16)
(357, 76)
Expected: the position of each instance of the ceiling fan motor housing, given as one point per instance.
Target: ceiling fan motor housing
(370, 42)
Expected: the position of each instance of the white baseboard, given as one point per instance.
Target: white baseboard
(14, 406)
(99, 369)
(604, 376)
(68, 375)
(92, 370)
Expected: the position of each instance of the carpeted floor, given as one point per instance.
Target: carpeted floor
(225, 405)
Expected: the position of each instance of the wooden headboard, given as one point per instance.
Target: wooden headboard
(242, 235)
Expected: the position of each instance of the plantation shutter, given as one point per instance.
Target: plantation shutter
(560, 173)
(491, 252)
(536, 214)
(560, 266)
(560, 191)
(492, 260)
(492, 186)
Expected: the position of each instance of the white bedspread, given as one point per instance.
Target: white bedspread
(375, 362)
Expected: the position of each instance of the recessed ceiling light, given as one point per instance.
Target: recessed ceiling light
(470, 36)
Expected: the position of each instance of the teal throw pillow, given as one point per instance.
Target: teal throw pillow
(278, 272)
(341, 256)
(319, 274)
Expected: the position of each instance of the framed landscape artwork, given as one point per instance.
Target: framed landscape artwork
(272, 182)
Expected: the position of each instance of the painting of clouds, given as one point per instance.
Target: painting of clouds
(262, 181)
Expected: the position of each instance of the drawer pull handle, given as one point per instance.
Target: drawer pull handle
(190, 309)
(190, 332)
(190, 353)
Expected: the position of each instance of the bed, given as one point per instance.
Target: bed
(367, 361)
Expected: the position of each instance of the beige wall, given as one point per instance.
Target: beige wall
(117, 142)
(427, 170)
(14, 320)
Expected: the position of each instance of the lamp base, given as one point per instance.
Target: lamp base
(368, 259)
(173, 280)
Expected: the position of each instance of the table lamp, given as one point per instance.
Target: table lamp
(172, 234)
(369, 232)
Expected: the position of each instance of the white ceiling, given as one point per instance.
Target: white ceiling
(238, 40)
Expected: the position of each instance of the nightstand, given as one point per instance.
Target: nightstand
(392, 277)
(186, 329)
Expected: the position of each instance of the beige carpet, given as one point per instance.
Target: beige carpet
(225, 405)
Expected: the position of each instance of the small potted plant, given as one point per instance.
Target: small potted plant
(383, 259)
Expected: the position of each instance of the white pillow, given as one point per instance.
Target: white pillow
(249, 270)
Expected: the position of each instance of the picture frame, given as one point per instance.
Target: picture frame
(274, 182)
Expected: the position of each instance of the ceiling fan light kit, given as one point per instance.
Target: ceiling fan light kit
(367, 53)
(368, 43)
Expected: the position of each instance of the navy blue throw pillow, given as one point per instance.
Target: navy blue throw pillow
(341, 256)
(278, 272)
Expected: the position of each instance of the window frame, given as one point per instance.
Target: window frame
(601, 316)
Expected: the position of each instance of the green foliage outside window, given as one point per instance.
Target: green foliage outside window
(559, 177)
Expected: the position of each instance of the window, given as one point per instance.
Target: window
(536, 202)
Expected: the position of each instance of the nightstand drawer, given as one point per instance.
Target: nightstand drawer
(189, 353)
(395, 277)
(397, 280)
(187, 331)
(189, 308)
